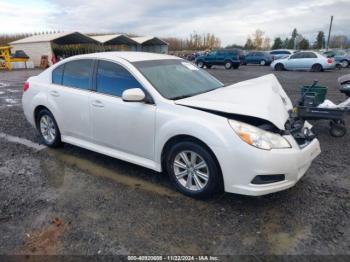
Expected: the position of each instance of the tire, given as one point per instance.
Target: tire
(210, 178)
(200, 64)
(337, 129)
(344, 63)
(262, 62)
(228, 65)
(48, 129)
(279, 67)
(316, 68)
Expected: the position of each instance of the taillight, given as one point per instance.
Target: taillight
(330, 61)
(25, 86)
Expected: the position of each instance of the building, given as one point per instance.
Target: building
(151, 44)
(68, 44)
(37, 46)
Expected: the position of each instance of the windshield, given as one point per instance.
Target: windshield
(176, 79)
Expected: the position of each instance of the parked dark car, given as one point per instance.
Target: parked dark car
(226, 57)
(262, 58)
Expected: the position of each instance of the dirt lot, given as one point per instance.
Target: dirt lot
(74, 201)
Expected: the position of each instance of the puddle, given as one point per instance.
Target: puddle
(11, 101)
(55, 171)
(2, 84)
(22, 141)
(13, 91)
(280, 238)
(101, 171)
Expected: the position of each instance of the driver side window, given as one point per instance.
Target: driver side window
(113, 79)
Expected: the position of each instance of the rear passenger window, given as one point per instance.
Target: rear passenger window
(113, 79)
(78, 73)
(57, 74)
(309, 55)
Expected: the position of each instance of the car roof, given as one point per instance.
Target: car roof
(129, 56)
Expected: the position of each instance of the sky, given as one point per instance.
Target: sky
(231, 20)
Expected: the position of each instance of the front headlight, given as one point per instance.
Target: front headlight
(258, 137)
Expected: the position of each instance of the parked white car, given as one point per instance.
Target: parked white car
(163, 113)
(281, 53)
(305, 60)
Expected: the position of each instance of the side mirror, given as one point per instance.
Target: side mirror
(133, 95)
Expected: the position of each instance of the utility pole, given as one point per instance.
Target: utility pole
(329, 33)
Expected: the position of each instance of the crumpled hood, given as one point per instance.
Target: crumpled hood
(261, 97)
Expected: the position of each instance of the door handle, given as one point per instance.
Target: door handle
(54, 93)
(97, 103)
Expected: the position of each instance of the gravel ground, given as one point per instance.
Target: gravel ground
(74, 201)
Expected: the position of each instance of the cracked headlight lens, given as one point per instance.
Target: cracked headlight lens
(258, 137)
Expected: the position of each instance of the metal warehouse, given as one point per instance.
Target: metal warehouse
(61, 45)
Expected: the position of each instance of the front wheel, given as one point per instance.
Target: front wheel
(200, 64)
(279, 67)
(344, 63)
(193, 170)
(337, 128)
(48, 129)
(262, 62)
(228, 65)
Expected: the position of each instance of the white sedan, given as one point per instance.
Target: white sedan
(163, 113)
(304, 60)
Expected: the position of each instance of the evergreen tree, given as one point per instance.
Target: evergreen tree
(277, 44)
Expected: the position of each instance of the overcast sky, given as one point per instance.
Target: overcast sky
(232, 21)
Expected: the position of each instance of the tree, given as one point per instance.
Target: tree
(258, 39)
(277, 43)
(320, 40)
(294, 33)
(249, 45)
(338, 41)
(266, 44)
(286, 43)
(304, 44)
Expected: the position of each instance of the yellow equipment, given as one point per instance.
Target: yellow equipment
(6, 59)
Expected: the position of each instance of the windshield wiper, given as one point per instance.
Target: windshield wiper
(180, 97)
(195, 94)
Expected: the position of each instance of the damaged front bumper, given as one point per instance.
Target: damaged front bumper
(252, 164)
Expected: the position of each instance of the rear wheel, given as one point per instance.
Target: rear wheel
(228, 64)
(316, 68)
(279, 67)
(337, 128)
(200, 64)
(48, 128)
(193, 170)
(344, 63)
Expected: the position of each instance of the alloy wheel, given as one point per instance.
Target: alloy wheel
(191, 170)
(47, 129)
